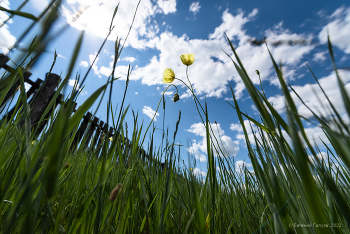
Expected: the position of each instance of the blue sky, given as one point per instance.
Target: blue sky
(165, 29)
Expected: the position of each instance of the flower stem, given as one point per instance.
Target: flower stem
(156, 111)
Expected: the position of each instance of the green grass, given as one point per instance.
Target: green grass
(46, 188)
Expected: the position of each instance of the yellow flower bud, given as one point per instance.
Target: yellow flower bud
(187, 59)
(168, 75)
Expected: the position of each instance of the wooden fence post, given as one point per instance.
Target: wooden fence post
(81, 130)
(31, 91)
(45, 96)
(97, 134)
(47, 116)
(3, 60)
(104, 134)
(91, 131)
(13, 90)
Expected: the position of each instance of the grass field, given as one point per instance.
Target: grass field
(46, 188)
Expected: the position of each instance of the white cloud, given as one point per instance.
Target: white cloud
(200, 157)
(197, 147)
(149, 112)
(60, 56)
(199, 172)
(136, 93)
(27, 87)
(194, 7)
(294, 52)
(95, 18)
(71, 82)
(314, 133)
(130, 59)
(322, 156)
(232, 25)
(241, 165)
(236, 127)
(329, 84)
(250, 130)
(212, 68)
(7, 40)
(338, 28)
(167, 6)
(257, 57)
(201, 72)
(168, 93)
(320, 56)
(83, 63)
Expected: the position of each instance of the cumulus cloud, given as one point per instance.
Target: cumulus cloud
(322, 156)
(329, 84)
(236, 127)
(200, 157)
(194, 7)
(95, 18)
(338, 28)
(71, 82)
(149, 112)
(83, 63)
(120, 70)
(241, 165)
(7, 40)
(314, 134)
(167, 6)
(232, 25)
(212, 68)
(129, 59)
(320, 56)
(199, 172)
(200, 147)
(250, 128)
(295, 52)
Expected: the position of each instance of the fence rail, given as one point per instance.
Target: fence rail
(42, 93)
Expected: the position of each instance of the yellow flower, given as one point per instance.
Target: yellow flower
(168, 75)
(187, 59)
(111, 138)
(191, 169)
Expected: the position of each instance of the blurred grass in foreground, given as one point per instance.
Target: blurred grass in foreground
(45, 188)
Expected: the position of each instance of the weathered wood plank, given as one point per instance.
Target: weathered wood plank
(45, 96)
(81, 130)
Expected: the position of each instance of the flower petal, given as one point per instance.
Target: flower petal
(168, 75)
(187, 59)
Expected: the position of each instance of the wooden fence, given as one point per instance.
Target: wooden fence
(95, 132)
